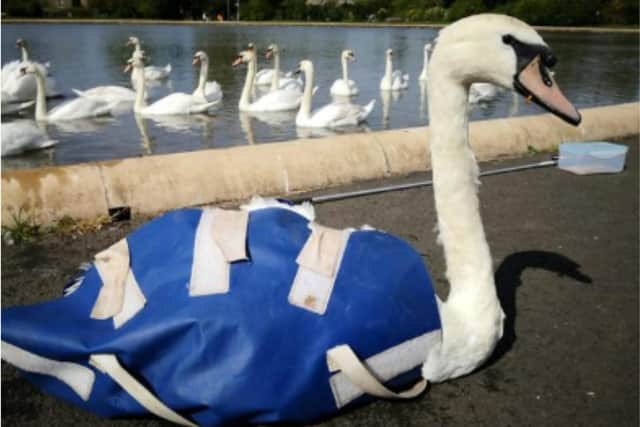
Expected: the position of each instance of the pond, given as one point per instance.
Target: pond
(593, 69)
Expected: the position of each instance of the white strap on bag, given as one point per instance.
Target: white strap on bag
(108, 363)
(342, 358)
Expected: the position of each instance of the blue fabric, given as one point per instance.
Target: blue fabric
(247, 356)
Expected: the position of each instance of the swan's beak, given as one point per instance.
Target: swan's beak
(127, 68)
(269, 54)
(237, 62)
(195, 61)
(535, 83)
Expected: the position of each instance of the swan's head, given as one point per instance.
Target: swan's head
(349, 55)
(427, 48)
(20, 43)
(389, 53)
(271, 50)
(504, 51)
(200, 57)
(245, 56)
(133, 41)
(305, 66)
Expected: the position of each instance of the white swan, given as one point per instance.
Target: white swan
(206, 91)
(176, 103)
(108, 93)
(424, 74)
(393, 79)
(344, 86)
(333, 115)
(482, 92)
(21, 136)
(78, 108)
(279, 80)
(471, 315)
(276, 100)
(13, 108)
(151, 72)
(18, 88)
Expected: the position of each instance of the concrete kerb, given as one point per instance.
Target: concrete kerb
(154, 184)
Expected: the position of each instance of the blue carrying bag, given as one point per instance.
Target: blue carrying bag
(212, 317)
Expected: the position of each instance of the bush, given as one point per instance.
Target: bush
(462, 8)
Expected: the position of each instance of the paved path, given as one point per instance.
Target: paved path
(565, 250)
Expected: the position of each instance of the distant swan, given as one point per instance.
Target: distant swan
(206, 91)
(21, 136)
(15, 86)
(393, 79)
(333, 115)
(344, 86)
(151, 72)
(276, 100)
(278, 80)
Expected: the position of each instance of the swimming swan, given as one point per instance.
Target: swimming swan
(279, 80)
(17, 87)
(331, 115)
(78, 108)
(21, 136)
(393, 79)
(206, 91)
(151, 72)
(275, 100)
(344, 86)
(175, 103)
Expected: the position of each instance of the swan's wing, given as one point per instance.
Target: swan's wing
(278, 100)
(110, 93)
(263, 77)
(175, 103)
(21, 136)
(9, 108)
(212, 91)
(80, 108)
(152, 72)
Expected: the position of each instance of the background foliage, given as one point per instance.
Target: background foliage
(537, 12)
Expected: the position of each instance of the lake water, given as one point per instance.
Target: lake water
(593, 69)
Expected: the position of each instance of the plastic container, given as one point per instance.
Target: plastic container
(585, 158)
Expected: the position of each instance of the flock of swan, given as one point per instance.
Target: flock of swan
(26, 82)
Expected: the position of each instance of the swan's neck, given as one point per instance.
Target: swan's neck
(305, 105)
(245, 97)
(388, 68)
(137, 48)
(202, 80)
(345, 70)
(471, 316)
(41, 96)
(275, 79)
(425, 65)
(138, 85)
(25, 53)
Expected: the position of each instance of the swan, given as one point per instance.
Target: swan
(218, 333)
(108, 93)
(425, 64)
(278, 80)
(175, 103)
(344, 86)
(206, 91)
(331, 115)
(151, 72)
(13, 108)
(393, 79)
(21, 136)
(78, 108)
(18, 88)
(276, 100)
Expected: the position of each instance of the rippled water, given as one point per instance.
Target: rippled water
(593, 69)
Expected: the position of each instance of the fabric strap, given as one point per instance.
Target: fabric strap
(342, 358)
(108, 363)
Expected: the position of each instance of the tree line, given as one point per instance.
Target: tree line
(536, 12)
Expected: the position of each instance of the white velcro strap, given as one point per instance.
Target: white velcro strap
(230, 233)
(108, 363)
(78, 377)
(120, 297)
(343, 359)
(210, 270)
(322, 250)
(318, 266)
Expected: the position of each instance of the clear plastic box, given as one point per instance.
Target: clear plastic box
(585, 158)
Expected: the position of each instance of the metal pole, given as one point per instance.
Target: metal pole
(238, 11)
(378, 190)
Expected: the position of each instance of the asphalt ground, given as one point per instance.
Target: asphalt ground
(565, 251)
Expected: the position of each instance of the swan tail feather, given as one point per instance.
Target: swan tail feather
(201, 108)
(367, 110)
(77, 92)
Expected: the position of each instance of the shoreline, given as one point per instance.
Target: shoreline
(80, 21)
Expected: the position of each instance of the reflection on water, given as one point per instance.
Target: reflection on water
(593, 69)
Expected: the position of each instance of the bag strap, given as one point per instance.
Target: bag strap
(108, 363)
(342, 358)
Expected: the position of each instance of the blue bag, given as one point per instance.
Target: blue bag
(211, 317)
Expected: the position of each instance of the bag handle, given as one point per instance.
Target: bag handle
(108, 363)
(342, 358)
